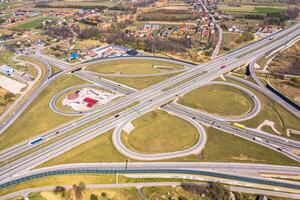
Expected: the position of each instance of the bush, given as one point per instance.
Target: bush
(93, 197)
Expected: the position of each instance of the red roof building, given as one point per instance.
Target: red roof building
(73, 96)
(90, 101)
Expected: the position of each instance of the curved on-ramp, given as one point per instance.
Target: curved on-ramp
(254, 111)
(195, 149)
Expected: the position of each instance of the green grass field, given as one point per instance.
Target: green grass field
(132, 67)
(159, 132)
(140, 82)
(99, 149)
(220, 100)
(248, 9)
(224, 147)
(220, 147)
(30, 24)
(38, 117)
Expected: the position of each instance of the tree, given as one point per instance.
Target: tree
(103, 194)
(93, 197)
(59, 189)
(82, 186)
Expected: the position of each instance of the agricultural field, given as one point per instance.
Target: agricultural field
(29, 24)
(231, 41)
(247, 9)
(74, 3)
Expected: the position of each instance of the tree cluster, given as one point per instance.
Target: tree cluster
(79, 189)
(74, 6)
(95, 197)
(245, 37)
(151, 45)
(55, 31)
(213, 191)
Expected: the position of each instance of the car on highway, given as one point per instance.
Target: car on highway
(223, 66)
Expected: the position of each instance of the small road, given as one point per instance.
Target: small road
(220, 31)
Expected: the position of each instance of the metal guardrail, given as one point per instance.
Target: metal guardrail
(152, 171)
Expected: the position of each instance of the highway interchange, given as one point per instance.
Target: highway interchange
(136, 103)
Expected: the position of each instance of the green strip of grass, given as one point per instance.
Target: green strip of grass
(99, 149)
(132, 66)
(140, 82)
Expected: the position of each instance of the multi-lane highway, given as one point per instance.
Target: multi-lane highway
(271, 141)
(148, 99)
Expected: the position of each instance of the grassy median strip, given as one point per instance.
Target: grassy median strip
(160, 132)
(133, 67)
(184, 81)
(218, 99)
(140, 82)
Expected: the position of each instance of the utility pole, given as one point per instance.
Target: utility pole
(126, 164)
